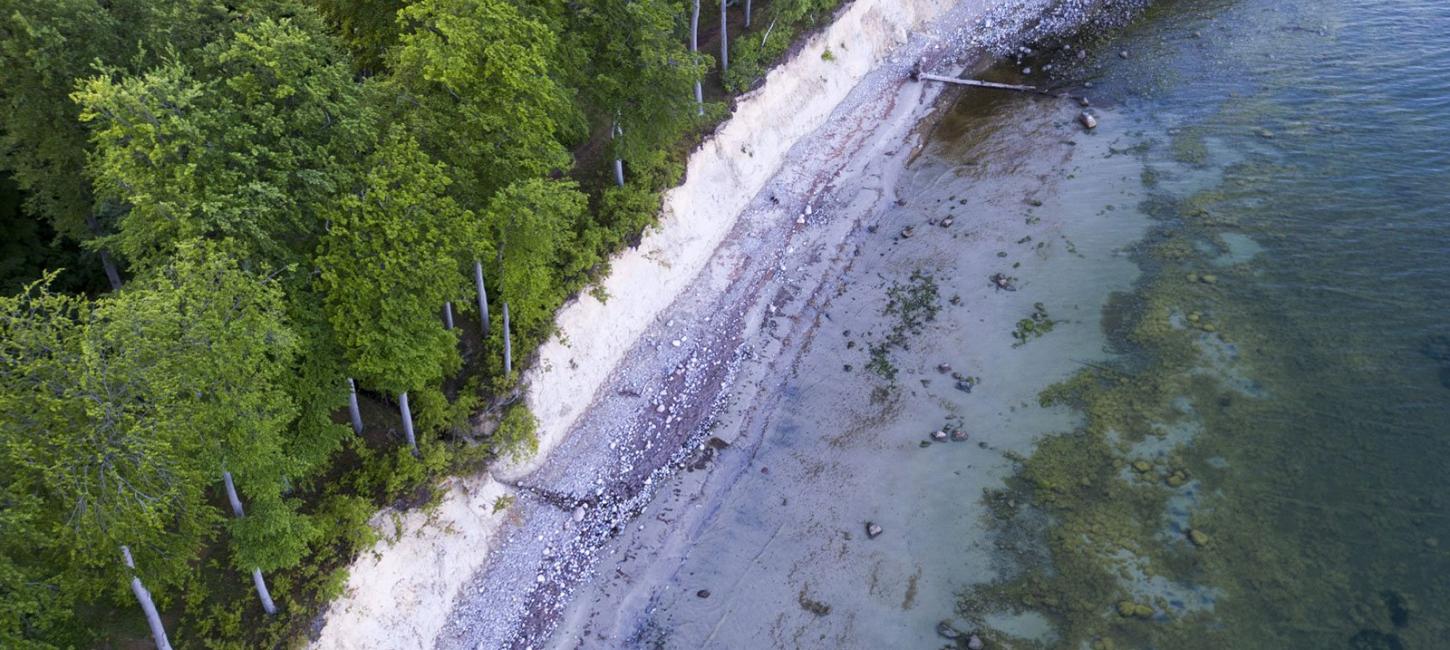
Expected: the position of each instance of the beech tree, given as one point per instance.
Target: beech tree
(230, 346)
(394, 252)
(242, 146)
(476, 81)
(532, 225)
(639, 71)
(44, 47)
(90, 436)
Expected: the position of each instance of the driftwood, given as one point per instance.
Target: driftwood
(918, 75)
(922, 76)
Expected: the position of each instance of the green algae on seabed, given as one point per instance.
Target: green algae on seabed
(910, 307)
(1108, 501)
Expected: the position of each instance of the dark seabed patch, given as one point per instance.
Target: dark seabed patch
(1263, 463)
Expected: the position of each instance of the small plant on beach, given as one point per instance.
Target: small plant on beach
(515, 437)
(503, 502)
(827, 55)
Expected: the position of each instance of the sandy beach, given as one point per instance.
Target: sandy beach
(713, 327)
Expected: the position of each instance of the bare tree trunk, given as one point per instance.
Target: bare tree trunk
(108, 264)
(153, 618)
(352, 409)
(257, 580)
(261, 584)
(618, 164)
(448, 315)
(724, 43)
(232, 497)
(482, 295)
(407, 421)
(695, 47)
(508, 345)
(695, 28)
(747, 13)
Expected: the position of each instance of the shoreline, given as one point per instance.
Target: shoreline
(643, 388)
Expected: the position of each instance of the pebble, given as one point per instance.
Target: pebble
(947, 222)
(1088, 121)
(946, 630)
(944, 368)
(1198, 537)
(906, 232)
(1123, 54)
(1085, 102)
(958, 435)
(873, 530)
(579, 513)
(703, 593)
(974, 642)
(939, 436)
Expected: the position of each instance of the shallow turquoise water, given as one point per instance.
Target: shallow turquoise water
(1296, 408)
(1301, 151)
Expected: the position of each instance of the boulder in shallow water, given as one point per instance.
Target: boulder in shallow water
(1198, 537)
(947, 631)
(974, 642)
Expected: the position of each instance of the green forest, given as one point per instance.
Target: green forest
(271, 265)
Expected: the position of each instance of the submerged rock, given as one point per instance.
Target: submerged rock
(1198, 537)
(946, 630)
(1130, 609)
(974, 642)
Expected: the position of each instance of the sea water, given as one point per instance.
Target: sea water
(1200, 355)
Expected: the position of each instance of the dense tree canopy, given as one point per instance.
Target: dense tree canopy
(284, 194)
(394, 253)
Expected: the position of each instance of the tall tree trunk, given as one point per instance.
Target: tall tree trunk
(108, 264)
(618, 164)
(261, 584)
(158, 631)
(408, 418)
(482, 295)
(747, 13)
(257, 580)
(724, 44)
(352, 409)
(508, 345)
(448, 315)
(695, 28)
(695, 47)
